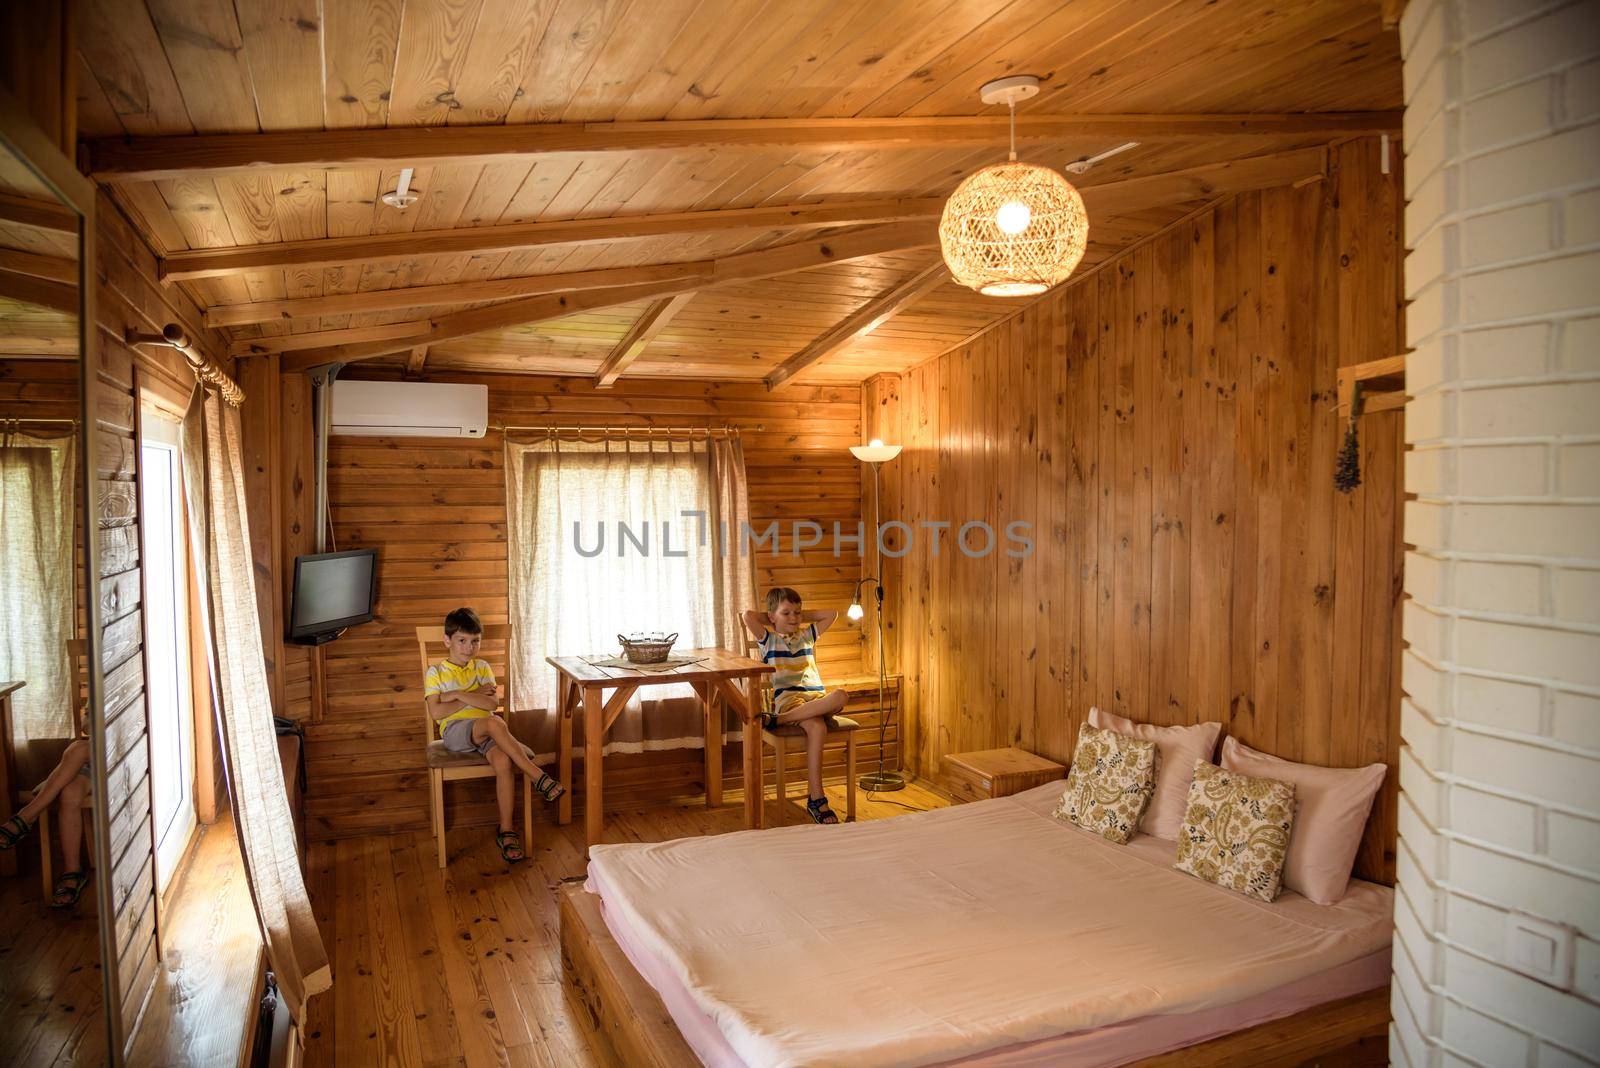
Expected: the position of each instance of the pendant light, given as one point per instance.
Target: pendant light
(1013, 229)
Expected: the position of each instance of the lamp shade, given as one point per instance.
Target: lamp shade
(1013, 230)
(875, 453)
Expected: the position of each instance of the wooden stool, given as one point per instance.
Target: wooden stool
(839, 728)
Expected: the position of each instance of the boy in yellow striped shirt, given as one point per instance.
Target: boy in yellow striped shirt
(787, 639)
(462, 697)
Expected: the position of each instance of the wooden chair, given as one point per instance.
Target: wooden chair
(445, 766)
(780, 738)
(77, 651)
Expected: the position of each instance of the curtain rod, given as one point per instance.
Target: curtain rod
(624, 429)
(8, 421)
(204, 367)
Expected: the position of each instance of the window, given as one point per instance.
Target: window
(166, 606)
(600, 545)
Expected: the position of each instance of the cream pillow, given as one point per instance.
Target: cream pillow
(1331, 812)
(1236, 831)
(1110, 783)
(1179, 747)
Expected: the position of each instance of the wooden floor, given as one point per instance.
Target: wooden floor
(50, 987)
(463, 966)
(50, 992)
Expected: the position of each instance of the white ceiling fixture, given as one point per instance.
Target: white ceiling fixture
(1081, 166)
(402, 197)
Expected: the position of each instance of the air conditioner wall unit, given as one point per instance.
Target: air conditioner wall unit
(410, 409)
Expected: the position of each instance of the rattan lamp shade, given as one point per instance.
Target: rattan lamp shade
(1043, 252)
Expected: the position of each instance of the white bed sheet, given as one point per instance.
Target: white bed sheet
(943, 935)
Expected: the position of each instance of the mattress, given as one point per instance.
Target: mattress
(982, 934)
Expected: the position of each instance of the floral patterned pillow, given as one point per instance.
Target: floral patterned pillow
(1109, 786)
(1236, 830)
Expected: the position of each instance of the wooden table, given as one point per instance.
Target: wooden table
(717, 673)
(8, 770)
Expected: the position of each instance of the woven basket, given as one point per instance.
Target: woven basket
(647, 648)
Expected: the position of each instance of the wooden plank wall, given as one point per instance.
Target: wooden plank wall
(435, 510)
(127, 296)
(39, 389)
(1167, 426)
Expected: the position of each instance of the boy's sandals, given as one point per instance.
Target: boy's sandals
(510, 847)
(13, 831)
(68, 889)
(550, 789)
(817, 808)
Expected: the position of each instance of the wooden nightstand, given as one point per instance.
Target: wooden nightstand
(997, 773)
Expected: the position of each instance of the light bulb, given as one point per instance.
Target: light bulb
(876, 443)
(1013, 216)
(854, 611)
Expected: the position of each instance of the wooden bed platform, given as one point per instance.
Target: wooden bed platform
(630, 1015)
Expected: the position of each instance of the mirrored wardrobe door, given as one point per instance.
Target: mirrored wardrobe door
(52, 991)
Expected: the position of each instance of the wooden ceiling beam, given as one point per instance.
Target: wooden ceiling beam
(383, 300)
(126, 159)
(414, 362)
(639, 335)
(1206, 181)
(399, 335)
(861, 322)
(39, 265)
(327, 252)
(42, 292)
(741, 267)
(39, 214)
(1111, 198)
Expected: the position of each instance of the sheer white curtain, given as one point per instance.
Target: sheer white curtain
(598, 543)
(244, 712)
(36, 577)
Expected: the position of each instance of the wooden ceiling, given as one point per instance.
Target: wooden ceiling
(160, 68)
(38, 268)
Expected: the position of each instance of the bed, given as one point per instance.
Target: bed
(988, 934)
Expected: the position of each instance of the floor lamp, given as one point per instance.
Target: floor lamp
(877, 454)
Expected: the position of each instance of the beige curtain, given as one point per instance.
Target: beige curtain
(36, 578)
(244, 712)
(598, 543)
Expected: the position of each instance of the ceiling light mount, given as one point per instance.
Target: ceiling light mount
(1010, 91)
(402, 197)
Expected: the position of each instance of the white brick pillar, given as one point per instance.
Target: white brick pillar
(1500, 770)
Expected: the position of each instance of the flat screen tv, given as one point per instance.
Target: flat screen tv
(332, 591)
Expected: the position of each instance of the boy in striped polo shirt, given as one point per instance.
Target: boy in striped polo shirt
(787, 639)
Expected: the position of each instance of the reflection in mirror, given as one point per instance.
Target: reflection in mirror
(50, 976)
